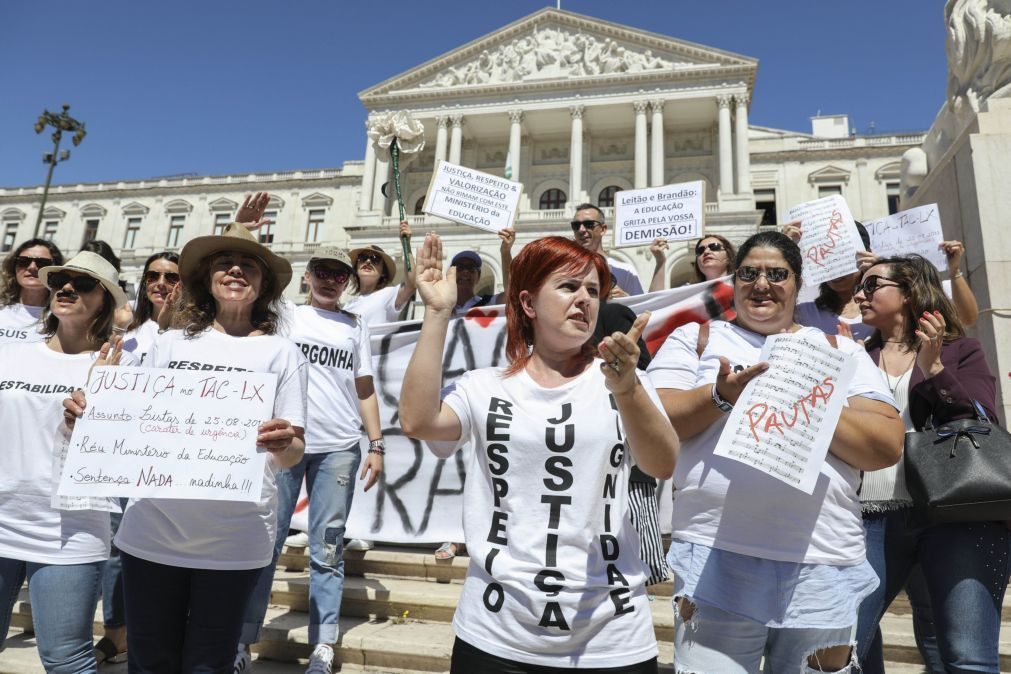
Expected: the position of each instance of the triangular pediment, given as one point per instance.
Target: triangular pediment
(223, 204)
(829, 174)
(556, 48)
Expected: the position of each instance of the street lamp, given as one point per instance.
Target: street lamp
(62, 122)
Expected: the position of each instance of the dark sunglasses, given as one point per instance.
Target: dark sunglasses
(170, 277)
(23, 261)
(80, 284)
(772, 274)
(338, 275)
(590, 225)
(701, 248)
(369, 257)
(871, 284)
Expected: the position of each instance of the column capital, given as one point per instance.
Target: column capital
(515, 116)
(456, 119)
(442, 121)
(640, 106)
(577, 111)
(724, 100)
(657, 105)
(741, 99)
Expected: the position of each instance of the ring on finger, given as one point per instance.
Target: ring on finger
(615, 365)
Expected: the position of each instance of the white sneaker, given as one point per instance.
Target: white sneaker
(299, 540)
(358, 544)
(243, 660)
(321, 660)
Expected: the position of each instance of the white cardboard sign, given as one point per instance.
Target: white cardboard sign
(917, 230)
(829, 239)
(472, 198)
(152, 432)
(671, 212)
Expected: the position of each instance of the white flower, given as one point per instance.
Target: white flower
(409, 132)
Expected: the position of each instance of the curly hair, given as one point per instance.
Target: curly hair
(198, 308)
(144, 310)
(10, 291)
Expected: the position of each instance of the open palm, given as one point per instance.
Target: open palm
(437, 292)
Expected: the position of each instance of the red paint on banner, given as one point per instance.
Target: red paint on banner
(482, 318)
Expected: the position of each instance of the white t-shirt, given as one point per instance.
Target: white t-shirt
(626, 276)
(337, 348)
(33, 384)
(379, 306)
(20, 323)
(203, 534)
(555, 577)
(760, 516)
(139, 341)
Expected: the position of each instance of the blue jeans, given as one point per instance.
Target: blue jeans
(113, 604)
(330, 482)
(64, 599)
(965, 572)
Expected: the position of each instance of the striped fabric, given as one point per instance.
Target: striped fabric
(646, 520)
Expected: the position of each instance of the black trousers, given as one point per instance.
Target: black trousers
(470, 660)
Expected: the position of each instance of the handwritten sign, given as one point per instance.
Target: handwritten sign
(917, 230)
(184, 434)
(471, 197)
(829, 241)
(783, 422)
(671, 212)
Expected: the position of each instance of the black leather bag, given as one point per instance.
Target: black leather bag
(961, 471)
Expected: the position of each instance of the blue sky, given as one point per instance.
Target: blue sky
(225, 86)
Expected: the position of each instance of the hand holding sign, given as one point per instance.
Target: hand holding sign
(620, 352)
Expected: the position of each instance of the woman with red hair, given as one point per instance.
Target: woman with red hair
(555, 581)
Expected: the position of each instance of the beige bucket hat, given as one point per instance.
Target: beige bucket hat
(238, 238)
(93, 265)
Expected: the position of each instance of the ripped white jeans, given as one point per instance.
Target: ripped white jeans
(713, 641)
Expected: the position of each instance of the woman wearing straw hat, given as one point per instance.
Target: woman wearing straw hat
(190, 566)
(377, 301)
(60, 551)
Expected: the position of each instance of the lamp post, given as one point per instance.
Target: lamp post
(62, 122)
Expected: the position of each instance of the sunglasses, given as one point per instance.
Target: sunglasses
(871, 284)
(80, 284)
(171, 277)
(772, 274)
(338, 275)
(24, 262)
(590, 225)
(701, 248)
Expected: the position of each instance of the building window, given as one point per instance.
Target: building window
(419, 206)
(303, 287)
(132, 227)
(552, 199)
(892, 192)
(221, 221)
(10, 234)
(313, 226)
(267, 230)
(606, 197)
(765, 201)
(175, 230)
(829, 190)
(90, 231)
(49, 230)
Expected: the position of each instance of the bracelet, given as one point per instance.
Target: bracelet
(380, 452)
(720, 403)
(955, 276)
(377, 446)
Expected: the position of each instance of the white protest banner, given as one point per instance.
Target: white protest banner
(829, 239)
(671, 212)
(152, 432)
(783, 422)
(917, 230)
(471, 197)
(419, 497)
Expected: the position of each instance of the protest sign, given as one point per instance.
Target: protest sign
(784, 420)
(917, 230)
(829, 239)
(471, 197)
(671, 212)
(151, 432)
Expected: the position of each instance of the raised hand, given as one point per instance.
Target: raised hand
(508, 236)
(620, 352)
(405, 229)
(659, 250)
(730, 384)
(931, 334)
(792, 230)
(953, 250)
(252, 208)
(865, 260)
(438, 293)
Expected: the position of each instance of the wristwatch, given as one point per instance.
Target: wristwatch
(720, 403)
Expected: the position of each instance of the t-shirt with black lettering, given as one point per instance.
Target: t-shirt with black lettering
(34, 382)
(555, 577)
(205, 534)
(379, 306)
(336, 344)
(140, 340)
(20, 323)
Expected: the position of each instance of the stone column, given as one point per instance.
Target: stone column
(455, 139)
(441, 137)
(576, 154)
(515, 138)
(382, 176)
(743, 159)
(726, 161)
(369, 177)
(656, 136)
(641, 178)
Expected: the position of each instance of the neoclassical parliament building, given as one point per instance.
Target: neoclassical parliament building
(572, 107)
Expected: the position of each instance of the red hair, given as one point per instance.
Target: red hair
(529, 270)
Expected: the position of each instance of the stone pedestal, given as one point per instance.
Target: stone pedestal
(970, 183)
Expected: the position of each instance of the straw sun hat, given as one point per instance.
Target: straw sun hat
(239, 239)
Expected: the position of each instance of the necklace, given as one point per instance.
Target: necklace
(888, 377)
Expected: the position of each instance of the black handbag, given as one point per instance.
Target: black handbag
(961, 471)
